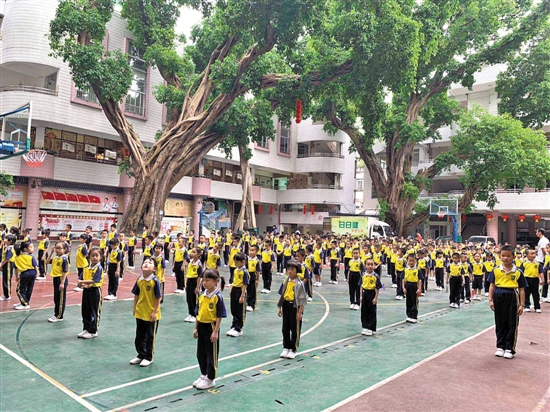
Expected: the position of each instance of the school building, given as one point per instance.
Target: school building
(300, 177)
(515, 216)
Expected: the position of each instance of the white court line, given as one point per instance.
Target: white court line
(156, 397)
(403, 372)
(542, 403)
(59, 386)
(236, 355)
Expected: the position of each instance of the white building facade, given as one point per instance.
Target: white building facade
(300, 177)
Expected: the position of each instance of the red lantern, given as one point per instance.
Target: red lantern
(312, 209)
(489, 216)
(304, 209)
(259, 209)
(537, 218)
(521, 217)
(270, 210)
(298, 111)
(505, 217)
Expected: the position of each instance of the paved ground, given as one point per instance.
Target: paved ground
(335, 362)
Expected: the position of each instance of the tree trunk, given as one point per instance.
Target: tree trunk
(247, 203)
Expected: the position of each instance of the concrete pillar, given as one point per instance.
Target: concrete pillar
(512, 225)
(492, 227)
(33, 206)
(197, 206)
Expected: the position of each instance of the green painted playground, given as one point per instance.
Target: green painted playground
(45, 367)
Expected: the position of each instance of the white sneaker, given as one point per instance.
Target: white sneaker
(249, 309)
(77, 289)
(335, 282)
(89, 335)
(145, 363)
(284, 353)
(54, 319)
(232, 332)
(508, 354)
(201, 378)
(394, 285)
(499, 353)
(206, 384)
(413, 320)
(192, 319)
(319, 284)
(21, 307)
(467, 301)
(41, 278)
(355, 307)
(351, 307)
(408, 320)
(131, 267)
(451, 305)
(309, 298)
(527, 309)
(267, 291)
(364, 332)
(396, 297)
(538, 310)
(4, 298)
(178, 291)
(263, 291)
(119, 280)
(135, 361)
(84, 332)
(370, 332)
(486, 294)
(291, 354)
(108, 297)
(401, 297)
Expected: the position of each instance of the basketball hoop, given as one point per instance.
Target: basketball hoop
(441, 214)
(35, 158)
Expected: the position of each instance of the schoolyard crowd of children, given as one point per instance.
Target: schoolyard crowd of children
(508, 277)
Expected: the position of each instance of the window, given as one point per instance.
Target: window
(263, 143)
(303, 150)
(87, 95)
(284, 141)
(359, 185)
(136, 97)
(416, 157)
(71, 145)
(373, 194)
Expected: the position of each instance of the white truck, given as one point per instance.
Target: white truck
(358, 225)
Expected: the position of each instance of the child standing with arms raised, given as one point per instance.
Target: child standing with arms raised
(147, 296)
(209, 313)
(369, 298)
(507, 299)
(291, 306)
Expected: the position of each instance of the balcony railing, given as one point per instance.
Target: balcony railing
(319, 154)
(30, 89)
(314, 186)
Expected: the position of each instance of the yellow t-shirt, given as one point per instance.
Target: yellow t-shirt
(212, 260)
(148, 291)
(411, 275)
(289, 291)
(455, 270)
(194, 268)
(355, 265)
(369, 281)
(531, 269)
(94, 273)
(25, 262)
(81, 261)
(60, 265)
(211, 307)
(240, 277)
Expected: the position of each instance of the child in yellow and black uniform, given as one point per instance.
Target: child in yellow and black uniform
(131, 248)
(291, 308)
(268, 259)
(209, 313)
(103, 247)
(81, 257)
(488, 267)
(180, 259)
(439, 269)
(238, 295)
(465, 291)
(43, 246)
(160, 266)
(422, 267)
(356, 269)
(147, 296)
(253, 266)
(399, 273)
(371, 285)
(59, 272)
(507, 299)
(148, 247)
(477, 276)
(8, 257)
(167, 244)
(455, 280)
(192, 283)
(92, 280)
(412, 285)
(27, 268)
(530, 269)
(334, 262)
(115, 257)
(232, 253)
